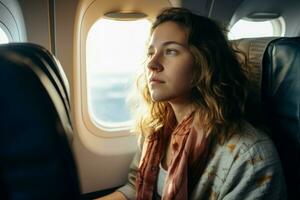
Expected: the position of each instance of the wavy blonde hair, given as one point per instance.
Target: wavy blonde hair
(220, 82)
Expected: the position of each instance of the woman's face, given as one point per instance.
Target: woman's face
(170, 64)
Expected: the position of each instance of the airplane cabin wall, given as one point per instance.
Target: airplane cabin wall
(219, 8)
(36, 21)
(65, 18)
(36, 15)
(215, 9)
(288, 9)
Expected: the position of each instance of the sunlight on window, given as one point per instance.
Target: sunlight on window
(3, 37)
(114, 52)
(250, 29)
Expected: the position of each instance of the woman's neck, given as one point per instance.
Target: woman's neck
(182, 110)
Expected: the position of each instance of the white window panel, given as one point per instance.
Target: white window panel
(115, 50)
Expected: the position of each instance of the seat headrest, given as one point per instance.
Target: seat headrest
(36, 161)
(253, 50)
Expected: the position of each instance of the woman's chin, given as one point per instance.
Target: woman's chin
(157, 98)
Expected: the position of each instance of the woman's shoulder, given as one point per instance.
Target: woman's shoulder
(255, 165)
(248, 162)
(251, 138)
(249, 145)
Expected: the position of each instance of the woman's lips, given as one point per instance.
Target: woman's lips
(155, 81)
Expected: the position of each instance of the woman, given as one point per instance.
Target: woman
(195, 143)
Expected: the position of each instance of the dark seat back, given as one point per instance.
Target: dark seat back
(36, 161)
(275, 97)
(281, 103)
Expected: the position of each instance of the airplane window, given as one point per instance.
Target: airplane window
(3, 37)
(250, 29)
(115, 50)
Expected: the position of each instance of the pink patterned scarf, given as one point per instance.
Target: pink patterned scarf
(189, 153)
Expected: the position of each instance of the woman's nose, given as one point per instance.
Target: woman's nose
(154, 64)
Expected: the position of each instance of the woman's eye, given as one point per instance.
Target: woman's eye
(171, 52)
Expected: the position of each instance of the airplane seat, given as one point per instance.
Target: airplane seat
(275, 78)
(36, 161)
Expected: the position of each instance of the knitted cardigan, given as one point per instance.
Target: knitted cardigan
(246, 166)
